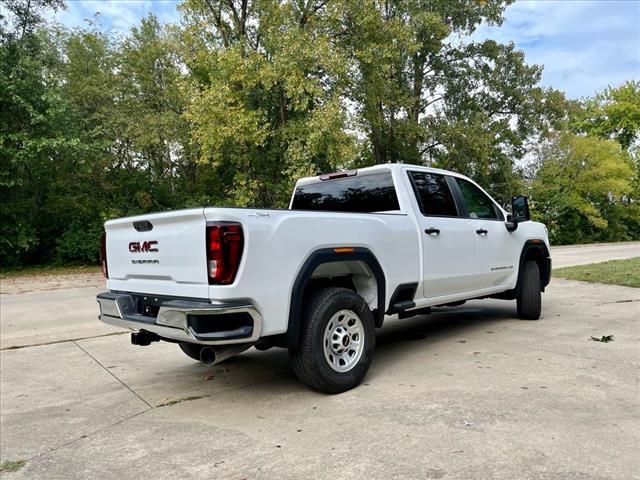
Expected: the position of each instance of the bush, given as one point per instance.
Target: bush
(80, 244)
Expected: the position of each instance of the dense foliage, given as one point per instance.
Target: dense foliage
(241, 97)
(586, 180)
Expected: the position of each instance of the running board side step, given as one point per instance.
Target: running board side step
(400, 307)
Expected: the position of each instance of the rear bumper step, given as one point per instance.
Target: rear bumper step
(184, 320)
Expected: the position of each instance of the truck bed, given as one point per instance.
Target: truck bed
(276, 244)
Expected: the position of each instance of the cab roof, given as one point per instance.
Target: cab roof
(383, 167)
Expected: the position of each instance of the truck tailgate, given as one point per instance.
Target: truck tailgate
(162, 254)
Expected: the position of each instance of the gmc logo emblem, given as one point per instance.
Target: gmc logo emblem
(141, 247)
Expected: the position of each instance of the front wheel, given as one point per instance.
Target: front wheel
(337, 341)
(529, 300)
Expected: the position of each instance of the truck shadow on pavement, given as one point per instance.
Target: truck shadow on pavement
(443, 323)
(395, 342)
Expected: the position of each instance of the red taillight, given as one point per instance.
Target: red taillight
(103, 255)
(224, 251)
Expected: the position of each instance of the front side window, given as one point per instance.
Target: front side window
(478, 204)
(433, 193)
(361, 194)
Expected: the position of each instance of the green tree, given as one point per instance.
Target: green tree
(244, 96)
(152, 103)
(427, 94)
(129, 98)
(38, 137)
(579, 180)
(267, 90)
(25, 16)
(91, 128)
(288, 88)
(613, 114)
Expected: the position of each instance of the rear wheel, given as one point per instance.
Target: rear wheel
(337, 341)
(529, 300)
(192, 350)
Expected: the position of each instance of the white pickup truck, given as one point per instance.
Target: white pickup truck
(318, 278)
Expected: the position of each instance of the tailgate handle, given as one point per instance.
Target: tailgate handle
(143, 226)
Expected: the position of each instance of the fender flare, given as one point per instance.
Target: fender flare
(535, 244)
(329, 255)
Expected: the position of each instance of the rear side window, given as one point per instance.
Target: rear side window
(478, 204)
(365, 194)
(434, 195)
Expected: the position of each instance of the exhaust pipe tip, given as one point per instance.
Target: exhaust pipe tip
(208, 356)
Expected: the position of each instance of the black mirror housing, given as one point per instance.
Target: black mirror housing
(520, 208)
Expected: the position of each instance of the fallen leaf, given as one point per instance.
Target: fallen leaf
(603, 339)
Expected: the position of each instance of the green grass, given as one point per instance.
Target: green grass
(11, 465)
(613, 272)
(47, 270)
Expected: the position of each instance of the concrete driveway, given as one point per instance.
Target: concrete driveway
(467, 392)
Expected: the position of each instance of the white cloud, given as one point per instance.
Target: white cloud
(116, 15)
(584, 46)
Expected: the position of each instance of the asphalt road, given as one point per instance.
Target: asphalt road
(467, 392)
(594, 253)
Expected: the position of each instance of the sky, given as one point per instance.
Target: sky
(584, 45)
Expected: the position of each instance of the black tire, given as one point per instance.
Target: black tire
(308, 358)
(192, 350)
(529, 300)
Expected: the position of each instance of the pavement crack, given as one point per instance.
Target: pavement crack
(113, 375)
(180, 400)
(618, 301)
(83, 437)
(55, 342)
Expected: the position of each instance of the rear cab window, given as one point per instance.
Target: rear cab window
(433, 194)
(357, 194)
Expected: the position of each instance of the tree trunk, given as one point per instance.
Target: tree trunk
(377, 139)
(416, 108)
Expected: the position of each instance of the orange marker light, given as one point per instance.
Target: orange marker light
(343, 250)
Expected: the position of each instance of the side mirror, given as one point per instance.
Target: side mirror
(520, 209)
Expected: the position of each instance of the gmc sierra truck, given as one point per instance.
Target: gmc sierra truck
(318, 278)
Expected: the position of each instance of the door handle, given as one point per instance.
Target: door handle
(481, 231)
(431, 230)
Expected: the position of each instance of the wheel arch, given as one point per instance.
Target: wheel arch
(330, 256)
(536, 250)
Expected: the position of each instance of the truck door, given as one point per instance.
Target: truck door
(497, 258)
(448, 248)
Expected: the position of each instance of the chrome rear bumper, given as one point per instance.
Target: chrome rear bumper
(183, 320)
